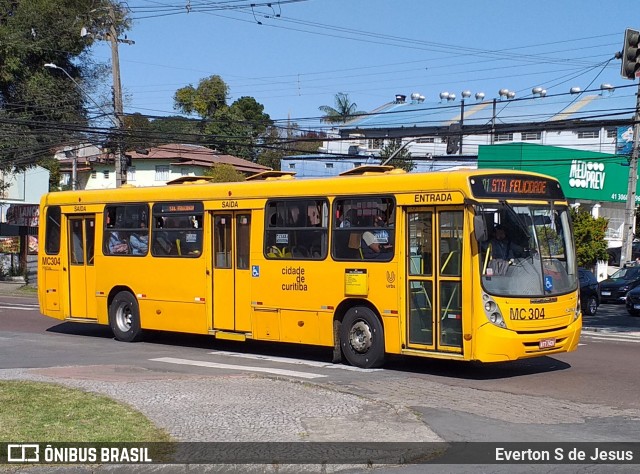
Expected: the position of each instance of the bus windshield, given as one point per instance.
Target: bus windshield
(528, 250)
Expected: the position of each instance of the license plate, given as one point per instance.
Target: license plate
(546, 343)
(636, 306)
(606, 293)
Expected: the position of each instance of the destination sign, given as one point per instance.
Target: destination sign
(515, 186)
(181, 207)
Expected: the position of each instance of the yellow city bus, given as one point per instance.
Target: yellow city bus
(375, 261)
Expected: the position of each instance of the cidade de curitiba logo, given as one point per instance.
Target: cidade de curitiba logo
(586, 174)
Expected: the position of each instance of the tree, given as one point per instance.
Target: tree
(239, 128)
(589, 235)
(41, 108)
(209, 97)
(402, 160)
(224, 173)
(236, 129)
(53, 165)
(343, 111)
(142, 132)
(279, 142)
(137, 129)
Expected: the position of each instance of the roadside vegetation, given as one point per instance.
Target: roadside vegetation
(36, 411)
(589, 233)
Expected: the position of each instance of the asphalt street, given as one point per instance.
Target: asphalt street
(253, 405)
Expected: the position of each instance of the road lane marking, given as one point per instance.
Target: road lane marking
(630, 334)
(617, 339)
(633, 336)
(285, 360)
(29, 308)
(215, 365)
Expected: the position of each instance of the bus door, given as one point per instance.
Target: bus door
(231, 271)
(81, 245)
(434, 279)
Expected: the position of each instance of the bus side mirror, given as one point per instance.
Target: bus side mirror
(480, 229)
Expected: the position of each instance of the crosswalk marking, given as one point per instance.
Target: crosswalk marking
(22, 308)
(286, 360)
(633, 336)
(617, 339)
(215, 365)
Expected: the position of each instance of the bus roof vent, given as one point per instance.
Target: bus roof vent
(191, 180)
(367, 169)
(271, 174)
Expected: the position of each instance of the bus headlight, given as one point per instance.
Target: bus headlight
(492, 312)
(496, 318)
(490, 307)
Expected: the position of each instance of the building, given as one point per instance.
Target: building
(307, 166)
(19, 211)
(154, 166)
(445, 135)
(597, 181)
(587, 121)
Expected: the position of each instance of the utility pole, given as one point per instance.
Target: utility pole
(74, 171)
(630, 207)
(630, 69)
(493, 121)
(120, 164)
(461, 121)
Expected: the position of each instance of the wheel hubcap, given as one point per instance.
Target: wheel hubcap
(123, 318)
(360, 337)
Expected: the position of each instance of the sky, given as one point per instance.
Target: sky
(296, 55)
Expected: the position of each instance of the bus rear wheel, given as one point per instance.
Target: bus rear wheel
(362, 338)
(124, 317)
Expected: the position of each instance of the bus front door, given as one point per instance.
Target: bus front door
(231, 271)
(434, 279)
(81, 247)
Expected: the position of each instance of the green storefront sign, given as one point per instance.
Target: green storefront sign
(582, 174)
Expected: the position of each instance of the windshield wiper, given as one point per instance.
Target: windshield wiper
(517, 217)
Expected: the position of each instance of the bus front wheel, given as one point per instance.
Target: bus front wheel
(362, 338)
(124, 317)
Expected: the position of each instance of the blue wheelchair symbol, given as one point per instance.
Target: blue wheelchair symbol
(255, 271)
(548, 283)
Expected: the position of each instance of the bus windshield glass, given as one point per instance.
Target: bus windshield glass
(528, 251)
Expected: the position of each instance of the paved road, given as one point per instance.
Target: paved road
(270, 393)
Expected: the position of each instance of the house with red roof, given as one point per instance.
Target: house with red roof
(153, 166)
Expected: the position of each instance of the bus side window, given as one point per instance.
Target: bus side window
(178, 229)
(302, 235)
(52, 233)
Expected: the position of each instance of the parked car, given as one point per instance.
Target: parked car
(633, 301)
(615, 288)
(616, 252)
(589, 292)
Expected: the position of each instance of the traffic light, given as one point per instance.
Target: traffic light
(631, 54)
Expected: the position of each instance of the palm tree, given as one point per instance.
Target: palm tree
(343, 111)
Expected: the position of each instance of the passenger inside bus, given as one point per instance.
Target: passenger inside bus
(375, 244)
(313, 213)
(117, 245)
(296, 218)
(349, 218)
(139, 241)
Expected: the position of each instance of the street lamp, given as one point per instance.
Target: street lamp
(114, 119)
